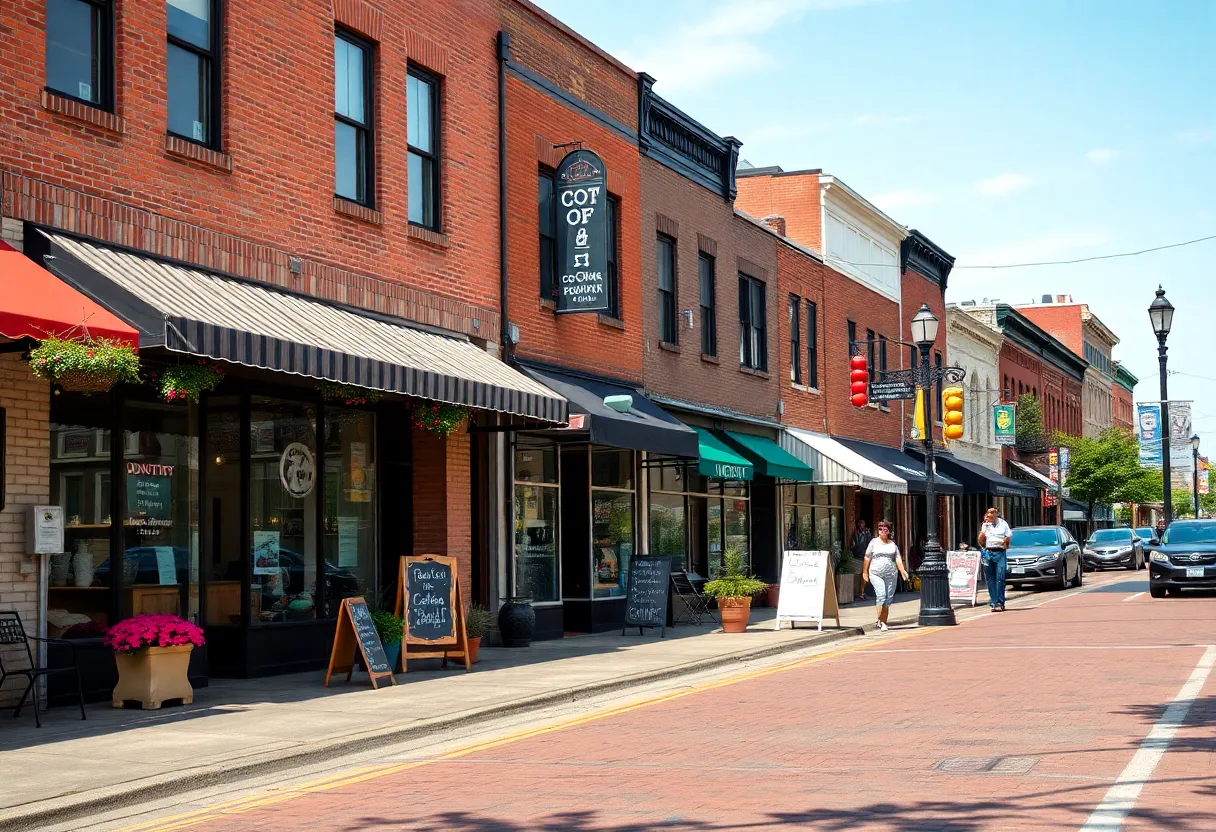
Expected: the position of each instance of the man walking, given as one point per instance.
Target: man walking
(994, 540)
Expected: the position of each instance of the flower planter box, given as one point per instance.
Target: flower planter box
(153, 676)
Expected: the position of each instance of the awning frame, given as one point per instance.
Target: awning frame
(862, 473)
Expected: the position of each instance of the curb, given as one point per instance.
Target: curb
(69, 807)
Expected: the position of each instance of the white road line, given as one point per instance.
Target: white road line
(1121, 798)
(990, 648)
(1133, 597)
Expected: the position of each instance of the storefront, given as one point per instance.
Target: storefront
(982, 489)
(290, 487)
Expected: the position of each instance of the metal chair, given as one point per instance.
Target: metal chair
(12, 634)
(696, 605)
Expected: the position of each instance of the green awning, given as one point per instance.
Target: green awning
(719, 460)
(771, 458)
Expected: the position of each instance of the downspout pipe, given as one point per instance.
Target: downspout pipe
(504, 324)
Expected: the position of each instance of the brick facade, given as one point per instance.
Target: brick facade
(804, 275)
(443, 520)
(793, 195)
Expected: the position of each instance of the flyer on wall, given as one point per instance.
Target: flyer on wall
(265, 552)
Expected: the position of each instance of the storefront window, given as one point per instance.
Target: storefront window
(222, 510)
(668, 526)
(283, 510)
(79, 596)
(814, 517)
(678, 515)
(350, 507)
(536, 528)
(612, 526)
(735, 520)
(160, 520)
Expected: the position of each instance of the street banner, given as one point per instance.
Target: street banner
(1182, 460)
(1204, 472)
(808, 589)
(1148, 433)
(964, 569)
(1004, 421)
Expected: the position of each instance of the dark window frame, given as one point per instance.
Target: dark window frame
(812, 345)
(753, 324)
(669, 328)
(613, 205)
(106, 98)
(795, 321)
(215, 93)
(436, 154)
(368, 168)
(871, 364)
(547, 233)
(937, 365)
(709, 311)
(882, 363)
(851, 328)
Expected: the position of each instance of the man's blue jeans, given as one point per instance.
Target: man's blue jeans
(994, 576)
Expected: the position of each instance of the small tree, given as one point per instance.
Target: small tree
(1107, 470)
(1029, 432)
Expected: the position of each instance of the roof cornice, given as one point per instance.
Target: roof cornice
(958, 318)
(672, 137)
(925, 257)
(837, 190)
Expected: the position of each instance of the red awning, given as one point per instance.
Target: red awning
(36, 304)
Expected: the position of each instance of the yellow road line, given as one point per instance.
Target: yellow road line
(360, 775)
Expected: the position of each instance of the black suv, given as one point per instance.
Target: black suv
(1186, 558)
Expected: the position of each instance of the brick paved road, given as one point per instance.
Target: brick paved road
(1021, 720)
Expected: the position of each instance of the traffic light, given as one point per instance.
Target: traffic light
(952, 413)
(859, 381)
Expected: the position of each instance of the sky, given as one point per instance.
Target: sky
(1008, 132)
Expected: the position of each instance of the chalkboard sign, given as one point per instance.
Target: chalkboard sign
(357, 631)
(430, 592)
(646, 599)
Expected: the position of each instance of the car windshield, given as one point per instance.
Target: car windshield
(1034, 537)
(1147, 533)
(1111, 536)
(1190, 533)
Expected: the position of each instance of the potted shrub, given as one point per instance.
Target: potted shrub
(475, 622)
(153, 656)
(391, 629)
(733, 589)
(844, 567)
(84, 365)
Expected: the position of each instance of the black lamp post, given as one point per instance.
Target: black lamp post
(1161, 313)
(1195, 455)
(935, 607)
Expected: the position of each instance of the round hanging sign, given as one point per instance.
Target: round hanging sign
(297, 469)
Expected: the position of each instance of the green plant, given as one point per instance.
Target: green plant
(733, 581)
(85, 363)
(388, 626)
(187, 382)
(476, 620)
(1029, 435)
(349, 394)
(440, 419)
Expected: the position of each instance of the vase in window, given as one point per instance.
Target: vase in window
(82, 564)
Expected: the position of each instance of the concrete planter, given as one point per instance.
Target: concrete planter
(152, 676)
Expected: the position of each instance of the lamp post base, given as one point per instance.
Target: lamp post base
(935, 607)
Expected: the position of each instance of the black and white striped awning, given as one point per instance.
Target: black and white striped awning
(192, 311)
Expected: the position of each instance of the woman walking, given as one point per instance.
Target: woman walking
(883, 562)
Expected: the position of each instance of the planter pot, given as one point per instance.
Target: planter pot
(846, 588)
(773, 593)
(516, 621)
(83, 382)
(392, 652)
(152, 676)
(474, 646)
(734, 613)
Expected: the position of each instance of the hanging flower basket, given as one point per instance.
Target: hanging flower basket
(84, 365)
(440, 419)
(349, 394)
(188, 382)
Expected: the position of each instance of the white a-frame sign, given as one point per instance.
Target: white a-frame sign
(808, 589)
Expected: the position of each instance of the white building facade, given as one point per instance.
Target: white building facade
(976, 347)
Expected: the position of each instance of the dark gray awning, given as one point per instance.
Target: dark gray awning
(977, 479)
(901, 465)
(644, 427)
(192, 311)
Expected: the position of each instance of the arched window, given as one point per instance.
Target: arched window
(973, 410)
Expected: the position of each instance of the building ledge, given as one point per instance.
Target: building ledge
(189, 151)
(357, 211)
(83, 113)
(426, 235)
(611, 322)
(669, 347)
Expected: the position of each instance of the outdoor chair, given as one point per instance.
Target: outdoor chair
(696, 605)
(12, 635)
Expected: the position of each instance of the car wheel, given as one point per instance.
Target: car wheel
(1134, 566)
(1080, 575)
(1156, 591)
(1064, 579)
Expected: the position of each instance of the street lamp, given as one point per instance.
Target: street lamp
(1195, 471)
(935, 607)
(1161, 313)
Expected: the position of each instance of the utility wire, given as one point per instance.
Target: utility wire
(1053, 262)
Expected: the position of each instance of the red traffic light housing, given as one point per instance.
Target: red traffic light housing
(859, 381)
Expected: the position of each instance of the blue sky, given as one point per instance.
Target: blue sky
(1009, 132)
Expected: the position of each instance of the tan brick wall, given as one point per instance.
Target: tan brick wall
(27, 480)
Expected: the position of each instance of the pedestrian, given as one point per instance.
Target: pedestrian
(1160, 529)
(994, 541)
(882, 563)
(861, 539)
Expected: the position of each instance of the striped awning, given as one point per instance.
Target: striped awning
(835, 464)
(192, 311)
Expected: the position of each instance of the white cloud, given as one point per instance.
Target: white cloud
(903, 198)
(1060, 246)
(1102, 155)
(1003, 184)
(1197, 136)
(723, 43)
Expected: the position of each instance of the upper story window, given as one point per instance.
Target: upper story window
(709, 304)
(753, 327)
(546, 204)
(812, 345)
(882, 362)
(422, 105)
(795, 325)
(614, 283)
(353, 122)
(852, 329)
(192, 70)
(668, 332)
(80, 50)
(871, 344)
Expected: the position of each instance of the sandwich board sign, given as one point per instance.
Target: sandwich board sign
(357, 632)
(808, 589)
(964, 571)
(429, 599)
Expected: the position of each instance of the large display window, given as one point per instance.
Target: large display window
(613, 500)
(814, 517)
(537, 508)
(350, 506)
(694, 519)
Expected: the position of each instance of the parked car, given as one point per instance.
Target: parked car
(1108, 548)
(1186, 558)
(1149, 539)
(1043, 556)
